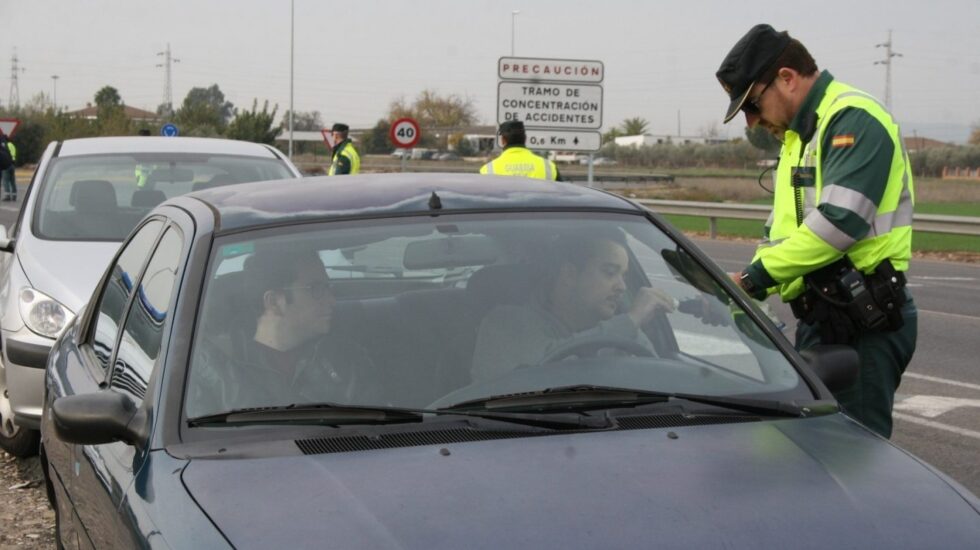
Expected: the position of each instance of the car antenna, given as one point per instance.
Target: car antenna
(435, 203)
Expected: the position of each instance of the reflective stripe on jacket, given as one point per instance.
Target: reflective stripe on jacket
(520, 161)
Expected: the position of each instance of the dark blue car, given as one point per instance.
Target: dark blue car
(454, 361)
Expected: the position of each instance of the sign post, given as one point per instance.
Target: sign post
(404, 134)
(558, 100)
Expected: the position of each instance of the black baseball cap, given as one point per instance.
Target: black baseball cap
(511, 126)
(340, 127)
(751, 56)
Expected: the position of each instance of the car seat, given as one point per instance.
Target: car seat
(491, 286)
(96, 210)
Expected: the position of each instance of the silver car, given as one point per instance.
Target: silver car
(85, 198)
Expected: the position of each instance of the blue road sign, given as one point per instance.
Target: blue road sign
(169, 130)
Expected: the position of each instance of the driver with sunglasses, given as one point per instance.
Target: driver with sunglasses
(842, 211)
(289, 354)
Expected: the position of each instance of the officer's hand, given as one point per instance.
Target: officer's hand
(647, 301)
(708, 311)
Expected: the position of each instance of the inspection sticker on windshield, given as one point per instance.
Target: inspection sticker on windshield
(232, 250)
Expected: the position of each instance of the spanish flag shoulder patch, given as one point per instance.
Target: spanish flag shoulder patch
(843, 140)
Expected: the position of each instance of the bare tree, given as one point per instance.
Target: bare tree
(432, 110)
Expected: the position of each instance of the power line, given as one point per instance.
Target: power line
(168, 92)
(887, 62)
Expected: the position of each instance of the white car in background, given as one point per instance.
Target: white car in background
(599, 161)
(85, 198)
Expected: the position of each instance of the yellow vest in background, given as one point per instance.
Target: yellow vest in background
(520, 161)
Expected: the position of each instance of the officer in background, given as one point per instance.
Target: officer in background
(838, 241)
(8, 175)
(142, 171)
(345, 158)
(518, 160)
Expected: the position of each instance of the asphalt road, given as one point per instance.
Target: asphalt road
(938, 407)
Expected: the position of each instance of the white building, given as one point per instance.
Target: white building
(652, 139)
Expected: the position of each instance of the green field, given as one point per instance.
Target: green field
(921, 241)
(950, 209)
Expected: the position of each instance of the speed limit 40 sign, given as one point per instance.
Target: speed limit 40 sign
(405, 132)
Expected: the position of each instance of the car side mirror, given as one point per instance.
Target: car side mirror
(6, 243)
(836, 366)
(97, 418)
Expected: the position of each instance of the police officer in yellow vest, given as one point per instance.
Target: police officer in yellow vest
(518, 160)
(142, 171)
(345, 157)
(838, 241)
(9, 174)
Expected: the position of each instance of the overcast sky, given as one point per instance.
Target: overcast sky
(353, 58)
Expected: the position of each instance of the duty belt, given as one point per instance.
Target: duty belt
(845, 302)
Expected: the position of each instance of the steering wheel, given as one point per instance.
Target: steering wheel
(589, 346)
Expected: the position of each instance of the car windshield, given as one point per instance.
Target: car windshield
(102, 197)
(433, 312)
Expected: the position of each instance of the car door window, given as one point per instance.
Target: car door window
(143, 330)
(115, 294)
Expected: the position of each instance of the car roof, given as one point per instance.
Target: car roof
(318, 198)
(150, 144)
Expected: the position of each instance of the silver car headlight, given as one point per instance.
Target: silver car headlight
(42, 314)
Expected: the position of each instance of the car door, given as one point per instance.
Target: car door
(127, 334)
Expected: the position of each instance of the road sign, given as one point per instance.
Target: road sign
(9, 126)
(169, 130)
(405, 133)
(550, 105)
(553, 70)
(558, 100)
(563, 140)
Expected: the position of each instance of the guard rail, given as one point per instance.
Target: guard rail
(934, 223)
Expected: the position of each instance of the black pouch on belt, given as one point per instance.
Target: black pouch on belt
(837, 302)
(831, 322)
(888, 288)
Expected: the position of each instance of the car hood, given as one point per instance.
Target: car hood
(66, 270)
(815, 483)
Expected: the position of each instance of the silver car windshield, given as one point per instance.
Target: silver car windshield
(422, 314)
(102, 197)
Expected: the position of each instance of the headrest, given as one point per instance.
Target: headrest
(93, 196)
(226, 307)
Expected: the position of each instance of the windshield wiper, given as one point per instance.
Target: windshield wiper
(320, 413)
(589, 397)
(333, 414)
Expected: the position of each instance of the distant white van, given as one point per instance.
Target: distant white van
(420, 153)
(569, 158)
